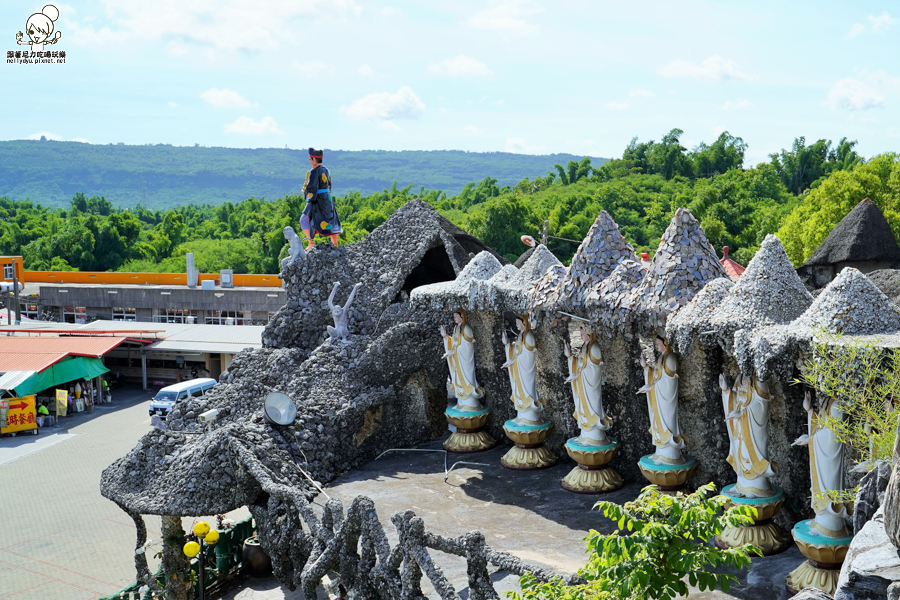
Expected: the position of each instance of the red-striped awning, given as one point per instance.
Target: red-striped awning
(38, 353)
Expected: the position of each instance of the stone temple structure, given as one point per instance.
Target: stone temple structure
(385, 387)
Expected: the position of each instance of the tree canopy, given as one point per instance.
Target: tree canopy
(800, 194)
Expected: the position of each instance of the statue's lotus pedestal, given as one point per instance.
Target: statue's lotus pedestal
(764, 534)
(469, 435)
(529, 452)
(668, 478)
(826, 555)
(592, 476)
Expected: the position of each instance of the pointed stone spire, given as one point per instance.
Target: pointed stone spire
(602, 250)
(684, 262)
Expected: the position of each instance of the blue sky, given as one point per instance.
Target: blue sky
(532, 76)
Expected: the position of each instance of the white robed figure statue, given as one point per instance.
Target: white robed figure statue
(826, 465)
(520, 361)
(746, 408)
(459, 350)
(586, 379)
(661, 387)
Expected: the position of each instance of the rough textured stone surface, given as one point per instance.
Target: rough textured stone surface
(611, 304)
(601, 252)
(768, 293)
(849, 305)
(468, 290)
(515, 292)
(888, 281)
(692, 323)
(812, 594)
(684, 262)
(872, 564)
(892, 497)
(870, 495)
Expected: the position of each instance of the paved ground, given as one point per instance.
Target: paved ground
(525, 513)
(59, 538)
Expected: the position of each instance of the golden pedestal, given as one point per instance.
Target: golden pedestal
(826, 555)
(529, 452)
(668, 478)
(764, 534)
(592, 476)
(469, 435)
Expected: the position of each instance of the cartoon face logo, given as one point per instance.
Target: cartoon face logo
(39, 27)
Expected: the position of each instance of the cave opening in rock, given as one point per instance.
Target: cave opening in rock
(434, 267)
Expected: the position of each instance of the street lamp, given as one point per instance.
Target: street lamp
(207, 537)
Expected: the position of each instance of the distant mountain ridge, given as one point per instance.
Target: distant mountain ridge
(163, 176)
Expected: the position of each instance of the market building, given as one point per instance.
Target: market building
(82, 297)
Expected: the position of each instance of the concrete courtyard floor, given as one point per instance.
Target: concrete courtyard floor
(525, 513)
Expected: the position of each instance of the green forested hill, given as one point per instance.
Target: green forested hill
(800, 194)
(163, 176)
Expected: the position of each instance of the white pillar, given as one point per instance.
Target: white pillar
(144, 369)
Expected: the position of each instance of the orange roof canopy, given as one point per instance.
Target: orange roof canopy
(37, 354)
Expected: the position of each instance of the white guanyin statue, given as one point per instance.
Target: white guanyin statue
(586, 379)
(826, 465)
(747, 419)
(459, 350)
(661, 387)
(520, 360)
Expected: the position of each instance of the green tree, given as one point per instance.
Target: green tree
(810, 222)
(661, 541)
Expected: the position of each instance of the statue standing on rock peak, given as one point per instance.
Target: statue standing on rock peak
(320, 215)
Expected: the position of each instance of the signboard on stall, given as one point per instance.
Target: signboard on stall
(4, 409)
(62, 402)
(20, 415)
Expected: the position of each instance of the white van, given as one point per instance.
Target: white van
(166, 398)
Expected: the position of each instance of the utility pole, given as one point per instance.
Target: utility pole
(16, 292)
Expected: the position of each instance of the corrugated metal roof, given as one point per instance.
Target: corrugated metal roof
(38, 353)
(12, 379)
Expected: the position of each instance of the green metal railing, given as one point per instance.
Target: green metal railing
(227, 553)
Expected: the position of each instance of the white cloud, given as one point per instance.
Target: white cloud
(365, 71)
(247, 126)
(384, 106)
(81, 140)
(172, 104)
(225, 98)
(877, 23)
(210, 25)
(46, 134)
(855, 30)
(617, 106)
(391, 11)
(853, 94)
(635, 93)
(712, 69)
(390, 125)
(729, 105)
(473, 130)
(507, 16)
(520, 146)
(882, 21)
(460, 66)
(312, 70)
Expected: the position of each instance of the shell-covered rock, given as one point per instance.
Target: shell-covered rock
(693, 321)
(684, 262)
(611, 304)
(602, 251)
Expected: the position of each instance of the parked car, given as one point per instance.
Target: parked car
(169, 396)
